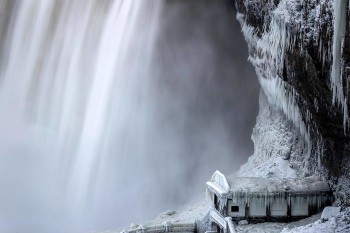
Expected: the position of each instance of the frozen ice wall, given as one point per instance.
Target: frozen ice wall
(114, 111)
(300, 50)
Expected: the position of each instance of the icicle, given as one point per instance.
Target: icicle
(320, 49)
(336, 75)
(272, 46)
(316, 104)
(346, 116)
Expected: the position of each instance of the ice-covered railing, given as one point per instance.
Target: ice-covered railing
(314, 199)
(204, 224)
(163, 228)
(230, 226)
(215, 216)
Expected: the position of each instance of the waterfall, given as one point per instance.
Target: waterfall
(120, 75)
(72, 74)
(113, 111)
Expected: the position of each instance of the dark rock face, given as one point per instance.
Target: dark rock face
(305, 70)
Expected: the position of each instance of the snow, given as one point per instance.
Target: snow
(273, 227)
(317, 226)
(243, 223)
(313, 224)
(190, 213)
(231, 225)
(282, 141)
(267, 54)
(329, 212)
(261, 228)
(272, 47)
(274, 167)
(219, 183)
(278, 152)
(334, 224)
(199, 209)
(265, 186)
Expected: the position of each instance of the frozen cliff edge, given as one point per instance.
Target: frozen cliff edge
(301, 53)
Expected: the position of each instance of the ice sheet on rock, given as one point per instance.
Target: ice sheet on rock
(272, 47)
(267, 54)
(278, 150)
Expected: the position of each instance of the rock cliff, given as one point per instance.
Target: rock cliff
(301, 54)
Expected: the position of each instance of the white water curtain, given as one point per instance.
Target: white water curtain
(74, 82)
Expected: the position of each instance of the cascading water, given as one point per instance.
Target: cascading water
(111, 112)
(119, 85)
(73, 72)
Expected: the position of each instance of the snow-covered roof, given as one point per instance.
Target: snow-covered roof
(219, 184)
(264, 185)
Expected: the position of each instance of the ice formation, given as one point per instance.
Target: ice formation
(330, 212)
(337, 66)
(311, 93)
(269, 45)
(278, 150)
(288, 23)
(272, 46)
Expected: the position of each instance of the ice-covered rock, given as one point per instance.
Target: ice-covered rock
(243, 223)
(278, 150)
(301, 53)
(329, 212)
(167, 214)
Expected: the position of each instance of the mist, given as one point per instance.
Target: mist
(207, 92)
(101, 128)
